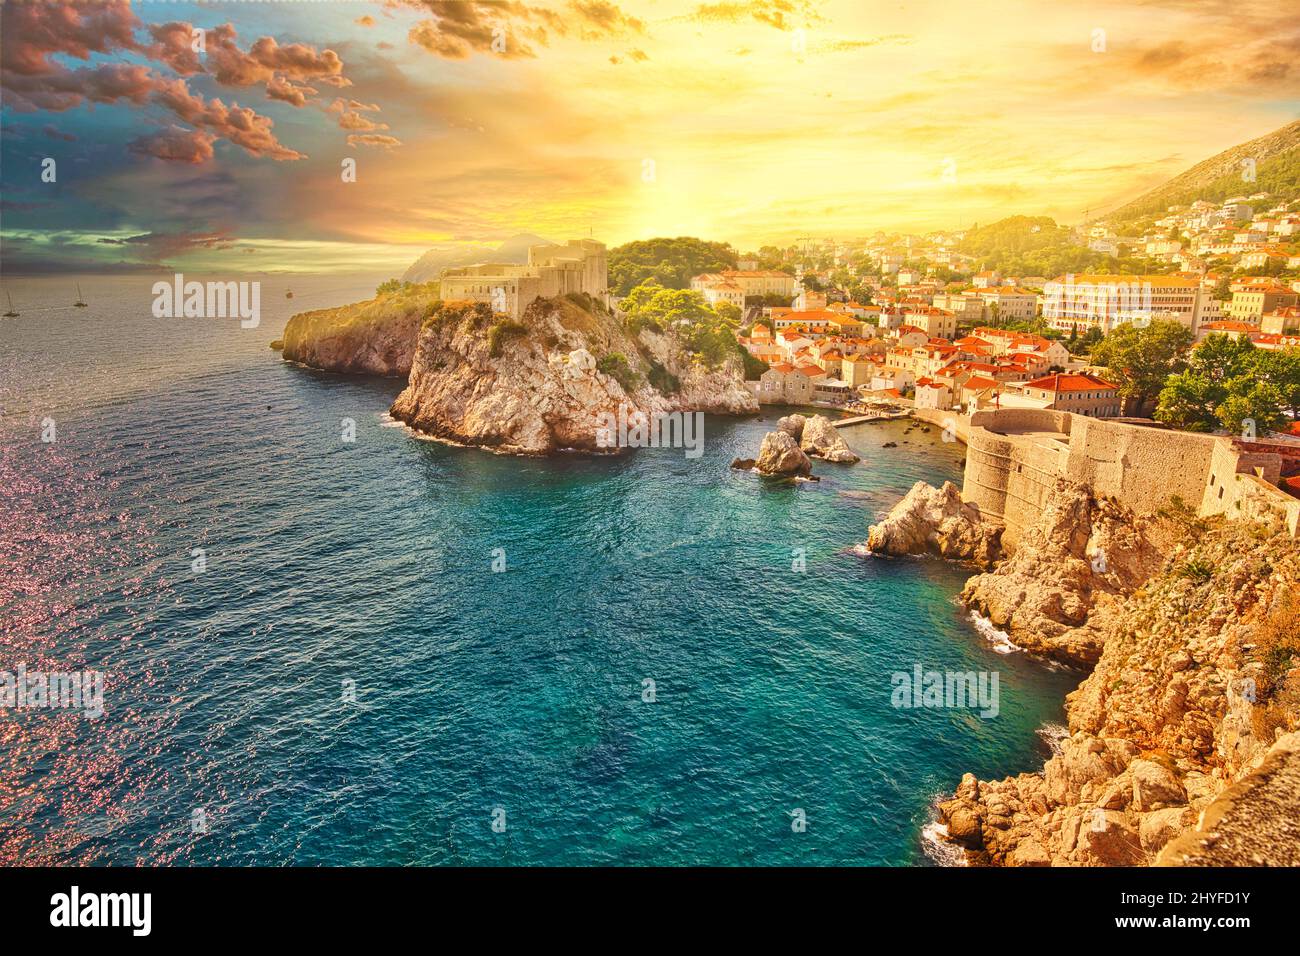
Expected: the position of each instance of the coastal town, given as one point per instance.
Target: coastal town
(1187, 321)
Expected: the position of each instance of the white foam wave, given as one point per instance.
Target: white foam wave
(936, 845)
(1000, 641)
(1052, 735)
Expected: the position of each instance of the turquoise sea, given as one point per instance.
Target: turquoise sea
(228, 738)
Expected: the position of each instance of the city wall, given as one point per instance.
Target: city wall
(1015, 456)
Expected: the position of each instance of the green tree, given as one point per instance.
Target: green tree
(1190, 400)
(1281, 369)
(1140, 358)
(670, 262)
(1252, 409)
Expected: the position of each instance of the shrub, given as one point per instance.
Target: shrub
(391, 286)
(664, 381)
(1196, 569)
(500, 332)
(615, 366)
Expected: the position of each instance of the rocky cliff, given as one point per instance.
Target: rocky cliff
(546, 383)
(1082, 555)
(1196, 687)
(376, 337)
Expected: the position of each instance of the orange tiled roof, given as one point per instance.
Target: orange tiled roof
(1067, 382)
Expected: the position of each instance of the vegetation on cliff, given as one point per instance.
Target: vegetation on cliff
(376, 337)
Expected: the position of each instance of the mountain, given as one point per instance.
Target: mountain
(430, 265)
(1277, 172)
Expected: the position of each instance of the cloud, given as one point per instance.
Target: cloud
(374, 139)
(457, 29)
(779, 14)
(32, 79)
(240, 125)
(33, 32)
(279, 88)
(61, 89)
(157, 247)
(175, 144)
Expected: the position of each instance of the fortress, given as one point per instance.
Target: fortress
(580, 265)
(1015, 456)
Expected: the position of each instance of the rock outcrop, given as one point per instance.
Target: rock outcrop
(1195, 690)
(781, 456)
(552, 381)
(822, 440)
(1081, 555)
(936, 521)
(817, 437)
(375, 338)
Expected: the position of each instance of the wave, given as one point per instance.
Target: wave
(999, 640)
(936, 846)
(1052, 735)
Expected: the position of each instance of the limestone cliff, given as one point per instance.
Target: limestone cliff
(550, 381)
(1197, 684)
(1082, 554)
(375, 337)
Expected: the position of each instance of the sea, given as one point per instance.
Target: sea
(324, 640)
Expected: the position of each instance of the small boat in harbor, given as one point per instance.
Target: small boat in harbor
(80, 303)
(11, 314)
(289, 294)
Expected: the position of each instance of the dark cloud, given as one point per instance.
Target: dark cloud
(175, 144)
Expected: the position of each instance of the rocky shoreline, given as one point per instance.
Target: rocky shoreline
(1184, 727)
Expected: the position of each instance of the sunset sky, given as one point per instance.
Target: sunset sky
(747, 122)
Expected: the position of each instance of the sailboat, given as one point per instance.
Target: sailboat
(289, 294)
(11, 314)
(80, 303)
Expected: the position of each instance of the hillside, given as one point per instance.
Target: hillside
(1277, 172)
(430, 265)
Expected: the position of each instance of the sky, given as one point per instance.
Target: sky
(469, 122)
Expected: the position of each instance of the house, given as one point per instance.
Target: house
(891, 377)
(750, 281)
(785, 384)
(1281, 321)
(933, 321)
(1080, 393)
(1250, 301)
(858, 370)
(932, 394)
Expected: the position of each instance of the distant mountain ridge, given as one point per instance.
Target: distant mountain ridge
(430, 265)
(1276, 171)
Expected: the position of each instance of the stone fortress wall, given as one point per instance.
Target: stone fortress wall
(1015, 456)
